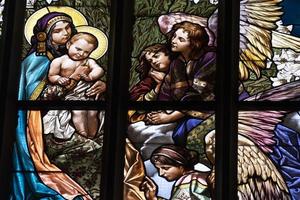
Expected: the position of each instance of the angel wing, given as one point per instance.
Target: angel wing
(258, 35)
(263, 132)
(166, 23)
(258, 178)
(286, 92)
(257, 20)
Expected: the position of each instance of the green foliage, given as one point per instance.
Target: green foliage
(178, 6)
(259, 85)
(145, 8)
(134, 76)
(80, 158)
(146, 30)
(202, 8)
(271, 72)
(195, 139)
(142, 38)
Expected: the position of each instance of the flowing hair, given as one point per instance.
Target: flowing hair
(197, 35)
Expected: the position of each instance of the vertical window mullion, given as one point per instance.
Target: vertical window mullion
(227, 96)
(9, 64)
(117, 96)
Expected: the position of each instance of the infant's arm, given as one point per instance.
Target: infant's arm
(96, 71)
(54, 72)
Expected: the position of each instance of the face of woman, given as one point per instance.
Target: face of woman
(180, 41)
(61, 33)
(169, 172)
(159, 61)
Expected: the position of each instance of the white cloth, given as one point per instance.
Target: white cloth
(57, 122)
(146, 138)
(78, 93)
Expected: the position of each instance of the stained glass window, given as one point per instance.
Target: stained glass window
(149, 99)
(76, 61)
(175, 59)
(267, 143)
(174, 150)
(269, 51)
(268, 147)
(58, 152)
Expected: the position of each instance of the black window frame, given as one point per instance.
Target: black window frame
(226, 105)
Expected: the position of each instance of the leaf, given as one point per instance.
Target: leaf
(178, 6)
(151, 7)
(145, 33)
(195, 138)
(255, 86)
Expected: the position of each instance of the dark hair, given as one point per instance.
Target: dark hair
(197, 35)
(175, 156)
(144, 65)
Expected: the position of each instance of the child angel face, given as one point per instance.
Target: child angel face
(80, 49)
(180, 41)
(158, 60)
(169, 172)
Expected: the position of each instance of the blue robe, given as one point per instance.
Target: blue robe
(26, 183)
(286, 157)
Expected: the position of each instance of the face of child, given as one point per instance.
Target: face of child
(169, 172)
(159, 61)
(180, 41)
(79, 49)
(61, 33)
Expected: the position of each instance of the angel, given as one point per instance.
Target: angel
(259, 137)
(258, 33)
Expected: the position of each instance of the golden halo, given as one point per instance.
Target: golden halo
(101, 37)
(77, 18)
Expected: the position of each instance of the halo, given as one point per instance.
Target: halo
(77, 18)
(101, 37)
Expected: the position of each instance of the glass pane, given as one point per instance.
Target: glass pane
(167, 149)
(269, 51)
(64, 50)
(268, 155)
(175, 58)
(58, 152)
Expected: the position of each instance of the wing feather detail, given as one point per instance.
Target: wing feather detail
(258, 178)
(284, 41)
(257, 21)
(263, 131)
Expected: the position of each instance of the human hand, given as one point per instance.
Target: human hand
(85, 77)
(82, 69)
(63, 81)
(157, 118)
(149, 188)
(157, 76)
(96, 89)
